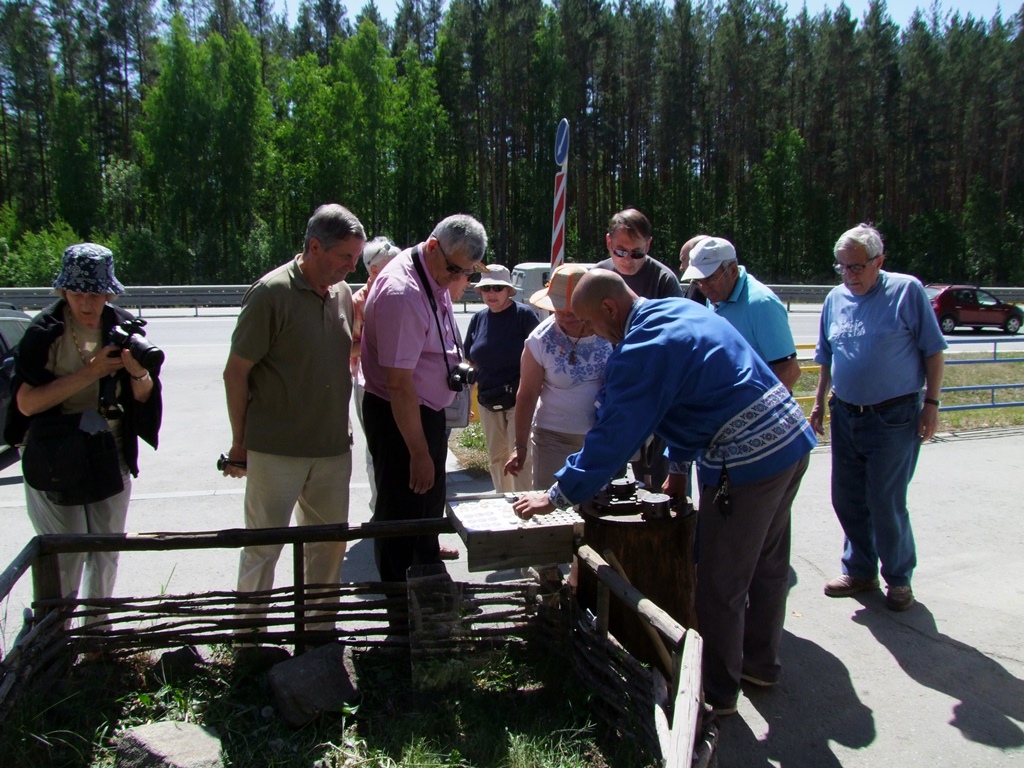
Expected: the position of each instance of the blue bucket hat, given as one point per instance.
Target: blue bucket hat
(88, 268)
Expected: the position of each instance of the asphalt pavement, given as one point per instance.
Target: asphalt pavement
(939, 685)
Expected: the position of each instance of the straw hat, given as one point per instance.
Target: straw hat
(557, 295)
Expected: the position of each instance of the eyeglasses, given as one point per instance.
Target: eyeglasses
(451, 267)
(630, 254)
(490, 288)
(711, 279)
(853, 269)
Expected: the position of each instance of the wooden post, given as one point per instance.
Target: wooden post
(603, 602)
(652, 633)
(299, 577)
(658, 555)
(25, 560)
(46, 578)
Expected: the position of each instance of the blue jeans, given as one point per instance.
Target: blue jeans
(874, 454)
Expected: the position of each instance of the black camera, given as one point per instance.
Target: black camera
(129, 335)
(223, 462)
(463, 376)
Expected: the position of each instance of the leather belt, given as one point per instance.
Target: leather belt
(877, 406)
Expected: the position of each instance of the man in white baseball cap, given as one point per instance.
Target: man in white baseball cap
(752, 308)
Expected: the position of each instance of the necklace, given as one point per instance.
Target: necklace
(572, 349)
(78, 346)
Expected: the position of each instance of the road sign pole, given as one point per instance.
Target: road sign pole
(558, 216)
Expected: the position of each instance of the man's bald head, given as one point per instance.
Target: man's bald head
(603, 300)
(684, 252)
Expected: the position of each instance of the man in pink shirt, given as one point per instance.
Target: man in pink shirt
(411, 358)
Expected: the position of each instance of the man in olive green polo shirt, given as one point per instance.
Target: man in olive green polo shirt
(288, 387)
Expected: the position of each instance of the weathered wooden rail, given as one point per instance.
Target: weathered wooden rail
(660, 707)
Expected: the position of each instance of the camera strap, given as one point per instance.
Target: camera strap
(433, 309)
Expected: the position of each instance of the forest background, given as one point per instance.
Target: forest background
(196, 138)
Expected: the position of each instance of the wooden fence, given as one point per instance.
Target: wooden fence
(660, 707)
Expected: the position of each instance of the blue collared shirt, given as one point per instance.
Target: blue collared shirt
(756, 312)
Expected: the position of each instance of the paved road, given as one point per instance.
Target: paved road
(942, 684)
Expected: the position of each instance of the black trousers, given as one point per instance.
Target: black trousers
(395, 500)
(652, 462)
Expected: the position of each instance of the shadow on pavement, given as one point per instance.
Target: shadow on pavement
(988, 696)
(813, 705)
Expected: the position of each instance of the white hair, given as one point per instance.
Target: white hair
(862, 234)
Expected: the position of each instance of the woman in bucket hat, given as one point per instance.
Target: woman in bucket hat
(67, 366)
(561, 374)
(494, 344)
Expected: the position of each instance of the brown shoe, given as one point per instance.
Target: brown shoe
(846, 585)
(449, 553)
(899, 598)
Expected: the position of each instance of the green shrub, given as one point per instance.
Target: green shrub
(33, 260)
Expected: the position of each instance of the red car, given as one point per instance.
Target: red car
(957, 305)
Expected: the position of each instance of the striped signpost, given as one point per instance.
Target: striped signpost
(558, 218)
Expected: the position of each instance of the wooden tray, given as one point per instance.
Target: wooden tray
(496, 539)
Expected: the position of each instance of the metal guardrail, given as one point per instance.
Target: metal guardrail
(197, 296)
(166, 296)
(808, 366)
(990, 388)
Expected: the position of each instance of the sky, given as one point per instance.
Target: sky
(899, 10)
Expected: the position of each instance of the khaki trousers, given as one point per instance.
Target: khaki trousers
(550, 450)
(500, 433)
(317, 489)
(107, 516)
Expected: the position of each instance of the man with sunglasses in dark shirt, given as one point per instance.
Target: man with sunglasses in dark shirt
(628, 241)
(629, 246)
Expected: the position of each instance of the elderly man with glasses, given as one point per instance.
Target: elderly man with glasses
(411, 356)
(878, 344)
(752, 308)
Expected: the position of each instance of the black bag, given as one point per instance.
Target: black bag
(70, 465)
(498, 398)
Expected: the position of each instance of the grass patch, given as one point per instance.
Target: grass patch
(961, 375)
(470, 448)
(521, 710)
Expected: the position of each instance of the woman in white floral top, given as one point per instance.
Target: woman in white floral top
(561, 374)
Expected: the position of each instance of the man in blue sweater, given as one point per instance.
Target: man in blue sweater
(688, 376)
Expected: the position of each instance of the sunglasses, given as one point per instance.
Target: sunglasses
(853, 269)
(492, 288)
(451, 267)
(637, 255)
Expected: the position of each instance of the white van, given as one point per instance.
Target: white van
(529, 277)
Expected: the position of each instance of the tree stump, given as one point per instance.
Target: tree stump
(657, 557)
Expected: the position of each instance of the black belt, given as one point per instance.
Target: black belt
(877, 406)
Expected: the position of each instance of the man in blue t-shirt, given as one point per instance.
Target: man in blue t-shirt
(751, 306)
(878, 344)
(687, 375)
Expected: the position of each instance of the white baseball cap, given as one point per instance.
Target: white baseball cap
(707, 256)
